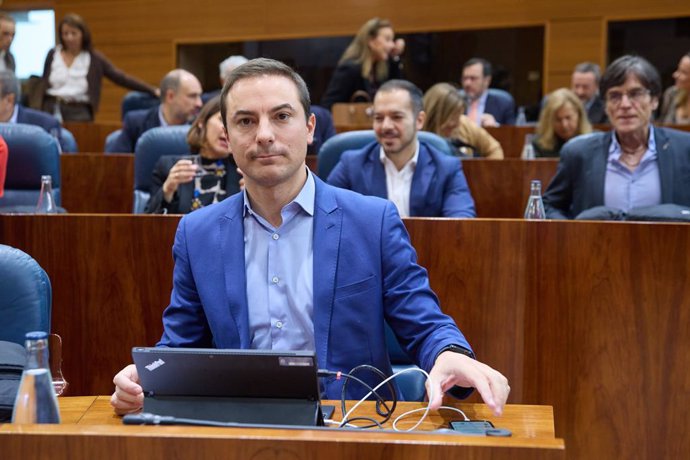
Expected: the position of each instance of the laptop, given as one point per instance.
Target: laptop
(256, 387)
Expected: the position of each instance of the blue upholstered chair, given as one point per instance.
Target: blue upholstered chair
(136, 100)
(32, 154)
(154, 143)
(26, 297)
(411, 384)
(110, 140)
(68, 142)
(330, 151)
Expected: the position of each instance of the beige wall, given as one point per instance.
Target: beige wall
(140, 35)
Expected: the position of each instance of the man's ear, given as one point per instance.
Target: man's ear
(311, 127)
(421, 116)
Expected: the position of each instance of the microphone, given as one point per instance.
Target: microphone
(146, 418)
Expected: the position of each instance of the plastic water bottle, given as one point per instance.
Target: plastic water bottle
(46, 200)
(521, 119)
(57, 113)
(535, 205)
(528, 148)
(36, 401)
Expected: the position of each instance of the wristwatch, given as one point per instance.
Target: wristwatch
(456, 349)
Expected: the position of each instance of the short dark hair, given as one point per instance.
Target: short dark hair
(620, 69)
(264, 66)
(416, 95)
(486, 65)
(9, 85)
(589, 67)
(76, 21)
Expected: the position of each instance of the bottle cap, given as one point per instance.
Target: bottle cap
(36, 335)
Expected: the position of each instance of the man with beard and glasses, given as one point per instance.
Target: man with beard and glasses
(420, 180)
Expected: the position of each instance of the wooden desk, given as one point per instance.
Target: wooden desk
(91, 136)
(98, 433)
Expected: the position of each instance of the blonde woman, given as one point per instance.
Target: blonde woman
(372, 58)
(562, 118)
(676, 105)
(445, 108)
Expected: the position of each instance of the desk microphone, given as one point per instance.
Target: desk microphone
(146, 418)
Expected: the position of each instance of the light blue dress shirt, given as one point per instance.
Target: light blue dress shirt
(481, 106)
(625, 189)
(279, 267)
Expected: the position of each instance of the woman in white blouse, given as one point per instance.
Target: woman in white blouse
(73, 71)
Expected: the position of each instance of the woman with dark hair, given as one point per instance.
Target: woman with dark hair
(445, 116)
(372, 58)
(73, 71)
(635, 164)
(562, 118)
(178, 187)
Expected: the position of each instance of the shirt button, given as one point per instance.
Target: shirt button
(279, 324)
(276, 236)
(275, 279)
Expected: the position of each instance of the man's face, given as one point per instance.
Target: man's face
(267, 130)
(6, 34)
(6, 107)
(394, 122)
(630, 106)
(186, 101)
(584, 85)
(473, 81)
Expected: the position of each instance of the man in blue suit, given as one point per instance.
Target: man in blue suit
(486, 107)
(292, 263)
(12, 112)
(180, 102)
(417, 178)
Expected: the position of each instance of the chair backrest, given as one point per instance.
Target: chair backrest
(26, 297)
(68, 142)
(154, 143)
(411, 384)
(110, 141)
(136, 100)
(32, 154)
(330, 152)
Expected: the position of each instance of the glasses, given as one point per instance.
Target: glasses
(635, 96)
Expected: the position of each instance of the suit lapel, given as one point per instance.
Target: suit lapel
(421, 180)
(374, 175)
(665, 157)
(597, 170)
(327, 233)
(231, 238)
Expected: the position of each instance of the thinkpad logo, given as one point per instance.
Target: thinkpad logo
(155, 365)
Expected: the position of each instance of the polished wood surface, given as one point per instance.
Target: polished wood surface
(97, 183)
(590, 317)
(90, 137)
(98, 433)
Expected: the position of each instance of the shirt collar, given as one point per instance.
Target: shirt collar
(412, 163)
(161, 117)
(15, 113)
(304, 199)
(615, 150)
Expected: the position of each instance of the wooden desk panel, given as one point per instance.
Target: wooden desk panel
(91, 136)
(100, 434)
(97, 183)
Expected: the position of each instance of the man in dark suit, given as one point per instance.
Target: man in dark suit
(7, 28)
(180, 102)
(417, 178)
(585, 84)
(341, 264)
(12, 112)
(486, 107)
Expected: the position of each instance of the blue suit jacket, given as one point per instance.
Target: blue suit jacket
(365, 272)
(136, 122)
(37, 118)
(439, 187)
(501, 105)
(579, 181)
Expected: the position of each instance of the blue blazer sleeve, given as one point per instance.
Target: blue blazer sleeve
(340, 176)
(558, 198)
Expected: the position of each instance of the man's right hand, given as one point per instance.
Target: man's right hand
(128, 396)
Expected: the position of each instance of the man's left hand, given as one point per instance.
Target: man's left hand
(452, 369)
